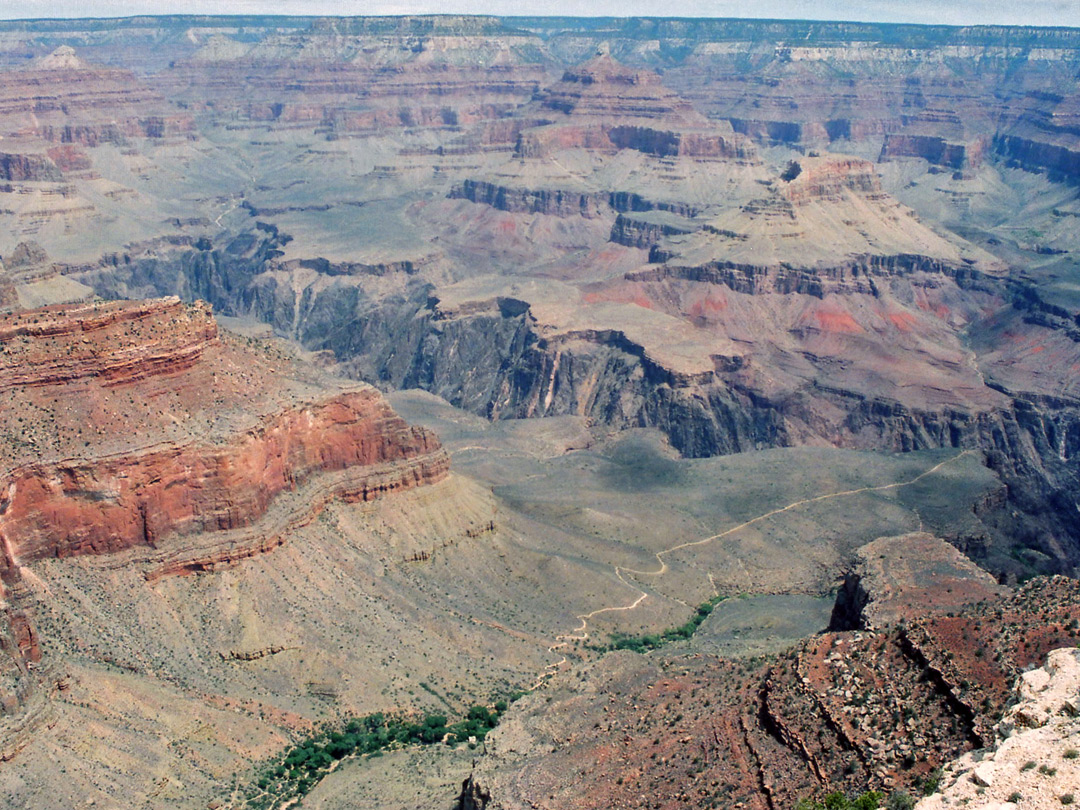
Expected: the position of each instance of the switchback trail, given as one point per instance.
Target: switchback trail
(581, 633)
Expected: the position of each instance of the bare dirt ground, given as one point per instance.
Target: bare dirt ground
(441, 597)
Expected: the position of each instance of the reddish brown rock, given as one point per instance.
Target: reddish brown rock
(70, 158)
(605, 88)
(136, 425)
(935, 149)
(62, 99)
(602, 104)
(59, 345)
(844, 711)
(85, 502)
(896, 577)
(98, 506)
(826, 179)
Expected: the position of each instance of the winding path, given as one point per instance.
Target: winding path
(581, 633)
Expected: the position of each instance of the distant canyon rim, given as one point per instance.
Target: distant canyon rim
(393, 366)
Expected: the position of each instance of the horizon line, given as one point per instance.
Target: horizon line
(298, 17)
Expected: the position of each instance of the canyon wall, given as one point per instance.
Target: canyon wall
(103, 505)
(845, 711)
(500, 362)
(191, 494)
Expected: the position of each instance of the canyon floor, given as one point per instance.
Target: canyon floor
(403, 364)
(481, 616)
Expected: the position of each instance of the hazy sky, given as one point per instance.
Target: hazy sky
(953, 12)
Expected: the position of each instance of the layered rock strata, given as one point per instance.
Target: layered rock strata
(896, 577)
(161, 485)
(365, 75)
(863, 349)
(103, 505)
(62, 99)
(753, 306)
(1034, 759)
(836, 713)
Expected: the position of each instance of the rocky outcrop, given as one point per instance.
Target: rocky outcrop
(23, 168)
(641, 233)
(26, 263)
(328, 268)
(1061, 161)
(65, 100)
(627, 201)
(58, 346)
(828, 179)
(855, 274)
(666, 143)
(894, 578)
(95, 503)
(840, 712)
(565, 202)
(824, 226)
(341, 76)
(1034, 759)
(293, 510)
(935, 149)
(160, 486)
(553, 202)
(603, 87)
(604, 105)
(100, 506)
(940, 93)
(70, 158)
(501, 362)
(542, 141)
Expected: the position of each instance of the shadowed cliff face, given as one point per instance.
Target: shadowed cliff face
(809, 309)
(866, 355)
(747, 235)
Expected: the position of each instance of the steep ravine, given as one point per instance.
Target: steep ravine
(496, 362)
(833, 713)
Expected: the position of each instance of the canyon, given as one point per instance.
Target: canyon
(392, 364)
(149, 478)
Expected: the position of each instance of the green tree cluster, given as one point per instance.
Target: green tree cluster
(871, 800)
(301, 767)
(652, 641)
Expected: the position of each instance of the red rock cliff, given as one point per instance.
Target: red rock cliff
(136, 425)
(97, 506)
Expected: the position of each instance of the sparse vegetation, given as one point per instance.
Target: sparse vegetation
(652, 641)
(871, 800)
(932, 782)
(900, 800)
(289, 776)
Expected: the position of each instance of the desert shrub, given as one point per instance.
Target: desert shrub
(792, 171)
(295, 772)
(871, 800)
